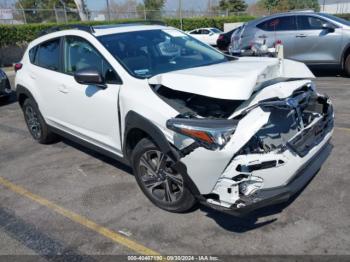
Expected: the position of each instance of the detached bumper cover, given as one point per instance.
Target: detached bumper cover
(268, 197)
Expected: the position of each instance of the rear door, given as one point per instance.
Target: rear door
(281, 28)
(313, 44)
(45, 72)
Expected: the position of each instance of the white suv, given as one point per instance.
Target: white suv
(194, 124)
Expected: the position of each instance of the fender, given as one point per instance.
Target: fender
(134, 120)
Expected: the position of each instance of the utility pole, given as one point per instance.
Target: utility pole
(180, 13)
(108, 10)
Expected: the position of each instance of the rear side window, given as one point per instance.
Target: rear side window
(310, 23)
(32, 54)
(48, 55)
(285, 23)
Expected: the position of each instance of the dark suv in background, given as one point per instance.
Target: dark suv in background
(5, 88)
(313, 38)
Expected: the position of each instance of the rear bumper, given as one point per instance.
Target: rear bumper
(271, 196)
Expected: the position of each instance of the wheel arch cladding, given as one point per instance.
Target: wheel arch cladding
(138, 125)
(22, 94)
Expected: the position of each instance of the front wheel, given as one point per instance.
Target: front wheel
(165, 187)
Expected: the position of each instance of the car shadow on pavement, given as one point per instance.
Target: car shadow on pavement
(322, 72)
(108, 160)
(250, 221)
(4, 101)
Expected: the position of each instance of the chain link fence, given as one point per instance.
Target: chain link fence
(27, 16)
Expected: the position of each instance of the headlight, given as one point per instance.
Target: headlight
(210, 134)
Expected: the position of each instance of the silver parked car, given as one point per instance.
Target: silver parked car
(309, 37)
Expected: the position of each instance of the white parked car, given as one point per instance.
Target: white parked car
(195, 125)
(206, 35)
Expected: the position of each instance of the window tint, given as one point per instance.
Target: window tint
(205, 32)
(196, 32)
(310, 23)
(32, 54)
(48, 55)
(80, 54)
(285, 23)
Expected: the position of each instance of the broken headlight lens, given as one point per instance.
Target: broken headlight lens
(210, 134)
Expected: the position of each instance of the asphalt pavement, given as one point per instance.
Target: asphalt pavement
(65, 199)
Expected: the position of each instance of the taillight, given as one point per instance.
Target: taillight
(278, 42)
(17, 66)
(221, 37)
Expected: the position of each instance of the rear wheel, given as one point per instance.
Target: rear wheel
(165, 187)
(36, 123)
(347, 66)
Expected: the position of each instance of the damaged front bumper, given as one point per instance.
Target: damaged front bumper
(272, 196)
(252, 181)
(277, 146)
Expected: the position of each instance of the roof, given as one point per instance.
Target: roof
(108, 29)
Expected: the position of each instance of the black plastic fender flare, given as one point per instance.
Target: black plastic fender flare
(134, 120)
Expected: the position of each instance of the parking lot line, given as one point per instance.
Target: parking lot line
(343, 129)
(115, 237)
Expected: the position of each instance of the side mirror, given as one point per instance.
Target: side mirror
(90, 76)
(211, 33)
(328, 26)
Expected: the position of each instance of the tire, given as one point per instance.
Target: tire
(165, 188)
(36, 123)
(347, 66)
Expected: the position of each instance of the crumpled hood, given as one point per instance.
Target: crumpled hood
(234, 80)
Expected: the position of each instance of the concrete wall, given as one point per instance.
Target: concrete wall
(336, 8)
(231, 26)
(10, 55)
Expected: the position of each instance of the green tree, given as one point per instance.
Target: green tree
(151, 9)
(274, 6)
(233, 5)
(45, 9)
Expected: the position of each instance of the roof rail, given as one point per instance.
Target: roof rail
(302, 10)
(141, 22)
(90, 29)
(86, 28)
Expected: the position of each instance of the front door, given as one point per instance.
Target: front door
(314, 44)
(91, 112)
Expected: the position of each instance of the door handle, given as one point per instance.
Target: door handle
(301, 36)
(63, 89)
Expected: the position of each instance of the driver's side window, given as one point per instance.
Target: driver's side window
(80, 54)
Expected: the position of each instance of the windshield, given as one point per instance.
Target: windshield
(336, 19)
(215, 30)
(148, 53)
